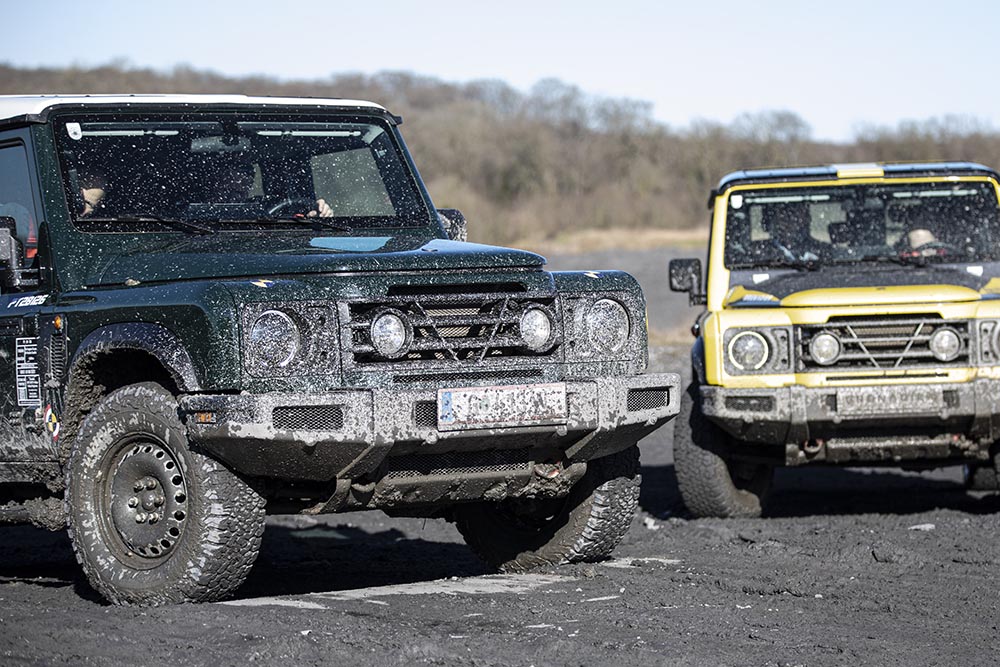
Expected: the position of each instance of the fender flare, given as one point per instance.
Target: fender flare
(154, 339)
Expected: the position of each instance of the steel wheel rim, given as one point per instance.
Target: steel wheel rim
(143, 501)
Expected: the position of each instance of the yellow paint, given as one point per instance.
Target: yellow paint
(859, 171)
(818, 306)
(849, 296)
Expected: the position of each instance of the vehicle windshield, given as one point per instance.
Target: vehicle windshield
(939, 221)
(217, 171)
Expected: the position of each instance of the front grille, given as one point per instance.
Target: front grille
(308, 418)
(884, 343)
(646, 399)
(452, 326)
(458, 463)
(493, 376)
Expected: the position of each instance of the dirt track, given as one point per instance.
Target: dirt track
(871, 567)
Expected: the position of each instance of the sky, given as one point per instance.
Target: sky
(837, 65)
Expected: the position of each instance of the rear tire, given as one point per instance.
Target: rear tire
(516, 535)
(151, 521)
(711, 481)
(980, 477)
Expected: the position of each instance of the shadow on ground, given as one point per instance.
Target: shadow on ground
(313, 559)
(325, 558)
(817, 491)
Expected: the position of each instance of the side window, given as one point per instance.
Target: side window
(351, 184)
(15, 197)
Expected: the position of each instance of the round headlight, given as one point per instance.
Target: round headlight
(945, 344)
(390, 334)
(536, 329)
(274, 339)
(607, 325)
(748, 350)
(824, 348)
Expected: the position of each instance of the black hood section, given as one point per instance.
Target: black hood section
(787, 282)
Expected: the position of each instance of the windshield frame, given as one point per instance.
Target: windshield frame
(418, 214)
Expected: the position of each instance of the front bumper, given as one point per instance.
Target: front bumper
(353, 433)
(867, 423)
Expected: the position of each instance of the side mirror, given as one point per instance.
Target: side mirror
(685, 276)
(454, 224)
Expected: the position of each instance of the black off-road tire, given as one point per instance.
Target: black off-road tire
(202, 524)
(712, 484)
(981, 477)
(585, 526)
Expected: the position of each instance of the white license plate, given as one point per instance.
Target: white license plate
(885, 401)
(499, 407)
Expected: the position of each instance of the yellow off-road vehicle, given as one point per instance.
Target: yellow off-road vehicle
(852, 318)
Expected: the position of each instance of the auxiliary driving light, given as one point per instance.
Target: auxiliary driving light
(391, 334)
(824, 348)
(536, 329)
(945, 344)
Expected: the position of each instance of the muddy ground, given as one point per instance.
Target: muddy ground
(851, 566)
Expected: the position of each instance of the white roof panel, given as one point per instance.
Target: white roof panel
(12, 106)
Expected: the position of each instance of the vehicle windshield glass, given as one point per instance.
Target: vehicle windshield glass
(222, 171)
(939, 221)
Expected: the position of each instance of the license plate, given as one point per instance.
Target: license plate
(885, 401)
(499, 407)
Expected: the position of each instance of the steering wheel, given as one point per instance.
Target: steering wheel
(293, 206)
(935, 248)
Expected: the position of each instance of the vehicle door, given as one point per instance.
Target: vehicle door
(23, 436)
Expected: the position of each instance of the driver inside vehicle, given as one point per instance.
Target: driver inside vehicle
(920, 238)
(233, 182)
(93, 189)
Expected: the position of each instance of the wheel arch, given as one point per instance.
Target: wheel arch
(118, 355)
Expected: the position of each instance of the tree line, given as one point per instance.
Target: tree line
(554, 160)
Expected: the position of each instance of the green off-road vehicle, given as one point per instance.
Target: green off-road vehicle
(219, 307)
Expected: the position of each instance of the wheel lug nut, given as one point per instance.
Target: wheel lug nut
(159, 500)
(140, 517)
(153, 518)
(133, 502)
(151, 484)
(138, 486)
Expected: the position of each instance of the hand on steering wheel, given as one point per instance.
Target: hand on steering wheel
(298, 206)
(932, 248)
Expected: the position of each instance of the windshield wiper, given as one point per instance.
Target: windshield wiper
(175, 223)
(315, 222)
(903, 259)
(810, 264)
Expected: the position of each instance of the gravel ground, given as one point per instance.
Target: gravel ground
(861, 566)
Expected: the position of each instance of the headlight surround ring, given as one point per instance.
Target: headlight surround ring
(825, 348)
(608, 326)
(748, 350)
(391, 333)
(274, 339)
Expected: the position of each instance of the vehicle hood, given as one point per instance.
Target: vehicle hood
(849, 286)
(260, 255)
